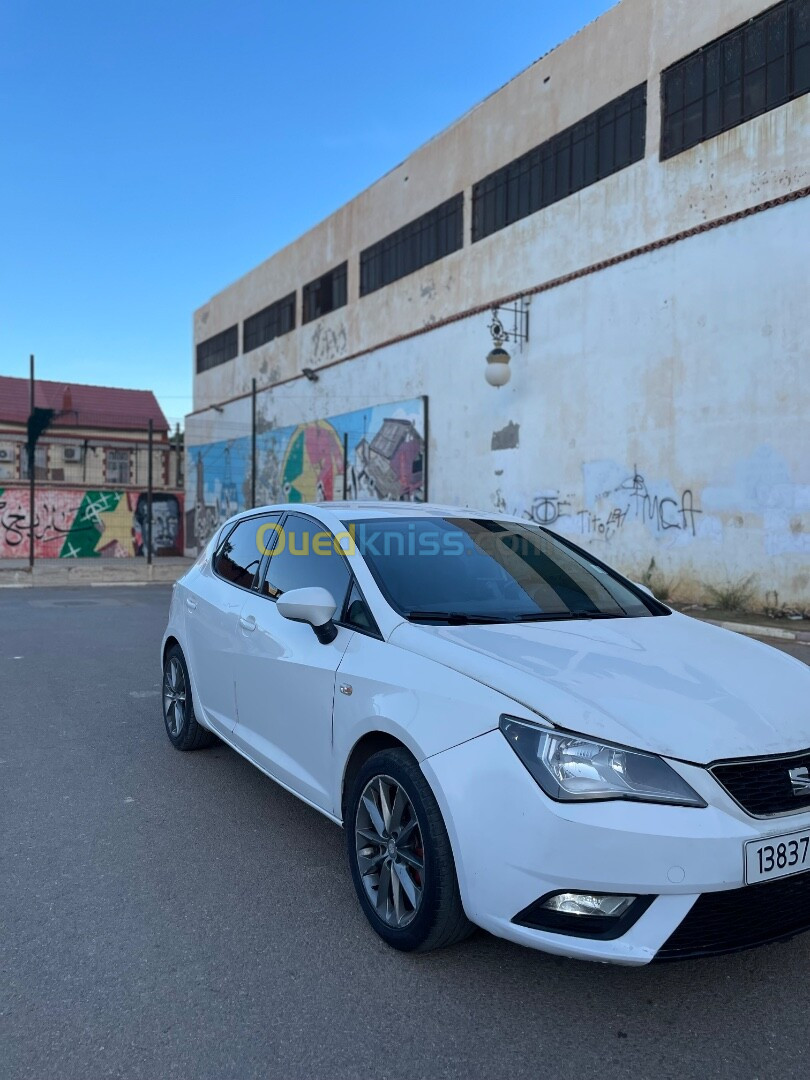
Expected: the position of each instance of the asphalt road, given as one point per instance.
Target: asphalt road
(166, 914)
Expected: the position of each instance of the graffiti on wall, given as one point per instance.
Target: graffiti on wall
(614, 498)
(373, 453)
(74, 524)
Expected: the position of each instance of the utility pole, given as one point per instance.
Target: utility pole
(253, 447)
(149, 497)
(31, 483)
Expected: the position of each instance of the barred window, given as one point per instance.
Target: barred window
(218, 349)
(117, 467)
(420, 242)
(271, 322)
(608, 140)
(325, 294)
(750, 70)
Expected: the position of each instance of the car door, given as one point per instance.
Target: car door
(285, 677)
(213, 604)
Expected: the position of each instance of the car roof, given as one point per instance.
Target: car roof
(376, 509)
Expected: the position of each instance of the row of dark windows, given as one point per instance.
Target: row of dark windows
(608, 140)
(271, 322)
(417, 244)
(748, 71)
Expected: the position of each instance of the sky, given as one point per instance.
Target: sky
(152, 152)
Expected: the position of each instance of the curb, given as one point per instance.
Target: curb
(753, 630)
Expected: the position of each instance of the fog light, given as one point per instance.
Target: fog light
(593, 915)
(570, 903)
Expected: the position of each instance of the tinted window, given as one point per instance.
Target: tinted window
(357, 612)
(452, 568)
(305, 556)
(239, 556)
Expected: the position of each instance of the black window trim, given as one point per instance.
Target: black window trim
(276, 308)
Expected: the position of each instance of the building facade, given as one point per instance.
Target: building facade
(91, 473)
(641, 235)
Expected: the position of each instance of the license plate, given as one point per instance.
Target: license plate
(777, 856)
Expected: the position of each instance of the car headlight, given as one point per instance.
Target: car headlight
(570, 768)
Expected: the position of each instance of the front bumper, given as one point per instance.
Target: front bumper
(512, 845)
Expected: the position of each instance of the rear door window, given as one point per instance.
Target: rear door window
(239, 557)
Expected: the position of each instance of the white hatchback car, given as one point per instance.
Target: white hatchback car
(512, 734)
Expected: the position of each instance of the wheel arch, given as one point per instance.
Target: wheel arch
(366, 745)
(167, 644)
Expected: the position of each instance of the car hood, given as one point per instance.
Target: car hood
(669, 684)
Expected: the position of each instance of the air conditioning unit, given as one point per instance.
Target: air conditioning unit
(6, 452)
(72, 453)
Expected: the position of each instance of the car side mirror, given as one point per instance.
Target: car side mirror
(315, 606)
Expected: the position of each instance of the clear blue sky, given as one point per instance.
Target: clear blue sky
(151, 152)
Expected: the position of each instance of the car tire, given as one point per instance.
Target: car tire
(178, 705)
(400, 856)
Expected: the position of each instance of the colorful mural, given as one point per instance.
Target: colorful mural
(76, 524)
(384, 450)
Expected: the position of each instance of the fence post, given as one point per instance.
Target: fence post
(345, 465)
(253, 447)
(149, 497)
(32, 454)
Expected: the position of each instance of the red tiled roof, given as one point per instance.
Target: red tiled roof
(81, 405)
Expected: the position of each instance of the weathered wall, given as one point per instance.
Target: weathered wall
(660, 409)
(760, 160)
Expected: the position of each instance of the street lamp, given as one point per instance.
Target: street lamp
(497, 370)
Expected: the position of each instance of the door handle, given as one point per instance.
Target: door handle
(249, 623)
(191, 604)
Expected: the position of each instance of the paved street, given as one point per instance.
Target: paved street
(167, 914)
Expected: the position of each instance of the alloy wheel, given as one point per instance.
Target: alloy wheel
(174, 696)
(390, 851)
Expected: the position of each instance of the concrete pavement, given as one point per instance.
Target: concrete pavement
(167, 914)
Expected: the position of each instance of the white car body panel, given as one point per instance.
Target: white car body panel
(669, 685)
(285, 687)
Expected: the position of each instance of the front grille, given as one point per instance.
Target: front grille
(723, 922)
(763, 787)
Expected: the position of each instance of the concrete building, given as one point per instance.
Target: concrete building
(642, 234)
(91, 470)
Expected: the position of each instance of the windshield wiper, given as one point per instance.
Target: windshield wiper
(562, 616)
(454, 618)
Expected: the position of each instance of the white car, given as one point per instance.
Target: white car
(512, 734)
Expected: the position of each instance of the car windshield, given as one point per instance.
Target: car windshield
(463, 570)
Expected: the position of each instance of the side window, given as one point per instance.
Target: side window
(357, 613)
(305, 556)
(239, 557)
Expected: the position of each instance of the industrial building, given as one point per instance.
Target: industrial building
(623, 229)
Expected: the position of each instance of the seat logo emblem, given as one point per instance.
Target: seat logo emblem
(800, 779)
